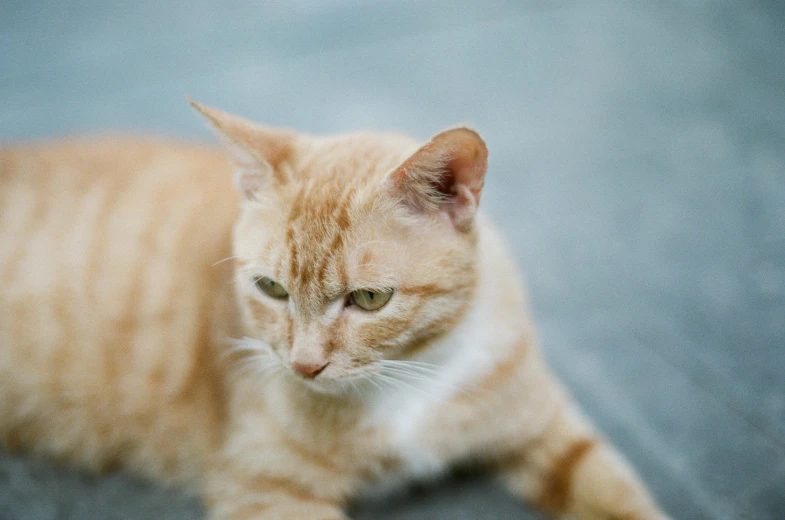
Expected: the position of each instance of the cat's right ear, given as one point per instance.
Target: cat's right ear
(258, 152)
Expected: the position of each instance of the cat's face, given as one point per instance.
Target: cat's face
(355, 250)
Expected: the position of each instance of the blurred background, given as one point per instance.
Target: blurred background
(637, 166)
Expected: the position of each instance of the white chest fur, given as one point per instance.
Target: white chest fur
(410, 411)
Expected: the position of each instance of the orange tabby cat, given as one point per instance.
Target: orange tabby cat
(380, 329)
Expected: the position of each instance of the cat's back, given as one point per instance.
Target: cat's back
(107, 248)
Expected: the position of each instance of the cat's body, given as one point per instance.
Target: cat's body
(121, 282)
(108, 301)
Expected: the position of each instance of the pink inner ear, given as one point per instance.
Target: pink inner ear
(250, 179)
(467, 166)
(448, 173)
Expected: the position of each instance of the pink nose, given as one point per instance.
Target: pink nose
(309, 370)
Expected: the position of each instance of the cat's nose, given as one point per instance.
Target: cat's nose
(310, 370)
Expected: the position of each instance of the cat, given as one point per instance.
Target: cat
(341, 321)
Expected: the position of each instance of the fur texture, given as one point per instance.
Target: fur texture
(133, 331)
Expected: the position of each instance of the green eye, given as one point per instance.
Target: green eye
(370, 300)
(271, 288)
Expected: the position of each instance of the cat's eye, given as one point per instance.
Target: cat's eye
(271, 288)
(370, 300)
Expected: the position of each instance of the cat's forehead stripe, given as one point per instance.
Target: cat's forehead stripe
(319, 220)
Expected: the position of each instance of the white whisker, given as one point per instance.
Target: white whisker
(405, 373)
(401, 383)
(247, 344)
(271, 369)
(252, 363)
(253, 283)
(353, 386)
(368, 377)
(384, 384)
(257, 358)
(414, 366)
(432, 374)
(408, 363)
(224, 260)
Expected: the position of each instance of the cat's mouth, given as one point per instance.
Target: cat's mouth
(355, 383)
(323, 385)
(380, 377)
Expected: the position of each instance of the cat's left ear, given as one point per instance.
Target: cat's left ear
(445, 175)
(257, 151)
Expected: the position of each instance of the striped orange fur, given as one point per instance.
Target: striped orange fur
(136, 332)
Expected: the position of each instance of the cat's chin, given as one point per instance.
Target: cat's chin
(331, 387)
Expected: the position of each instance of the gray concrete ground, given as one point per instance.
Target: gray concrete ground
(637, 165)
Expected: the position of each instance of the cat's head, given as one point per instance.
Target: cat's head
(353, 250)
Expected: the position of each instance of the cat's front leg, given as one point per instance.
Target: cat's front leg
(569, 472)
(265, 497)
